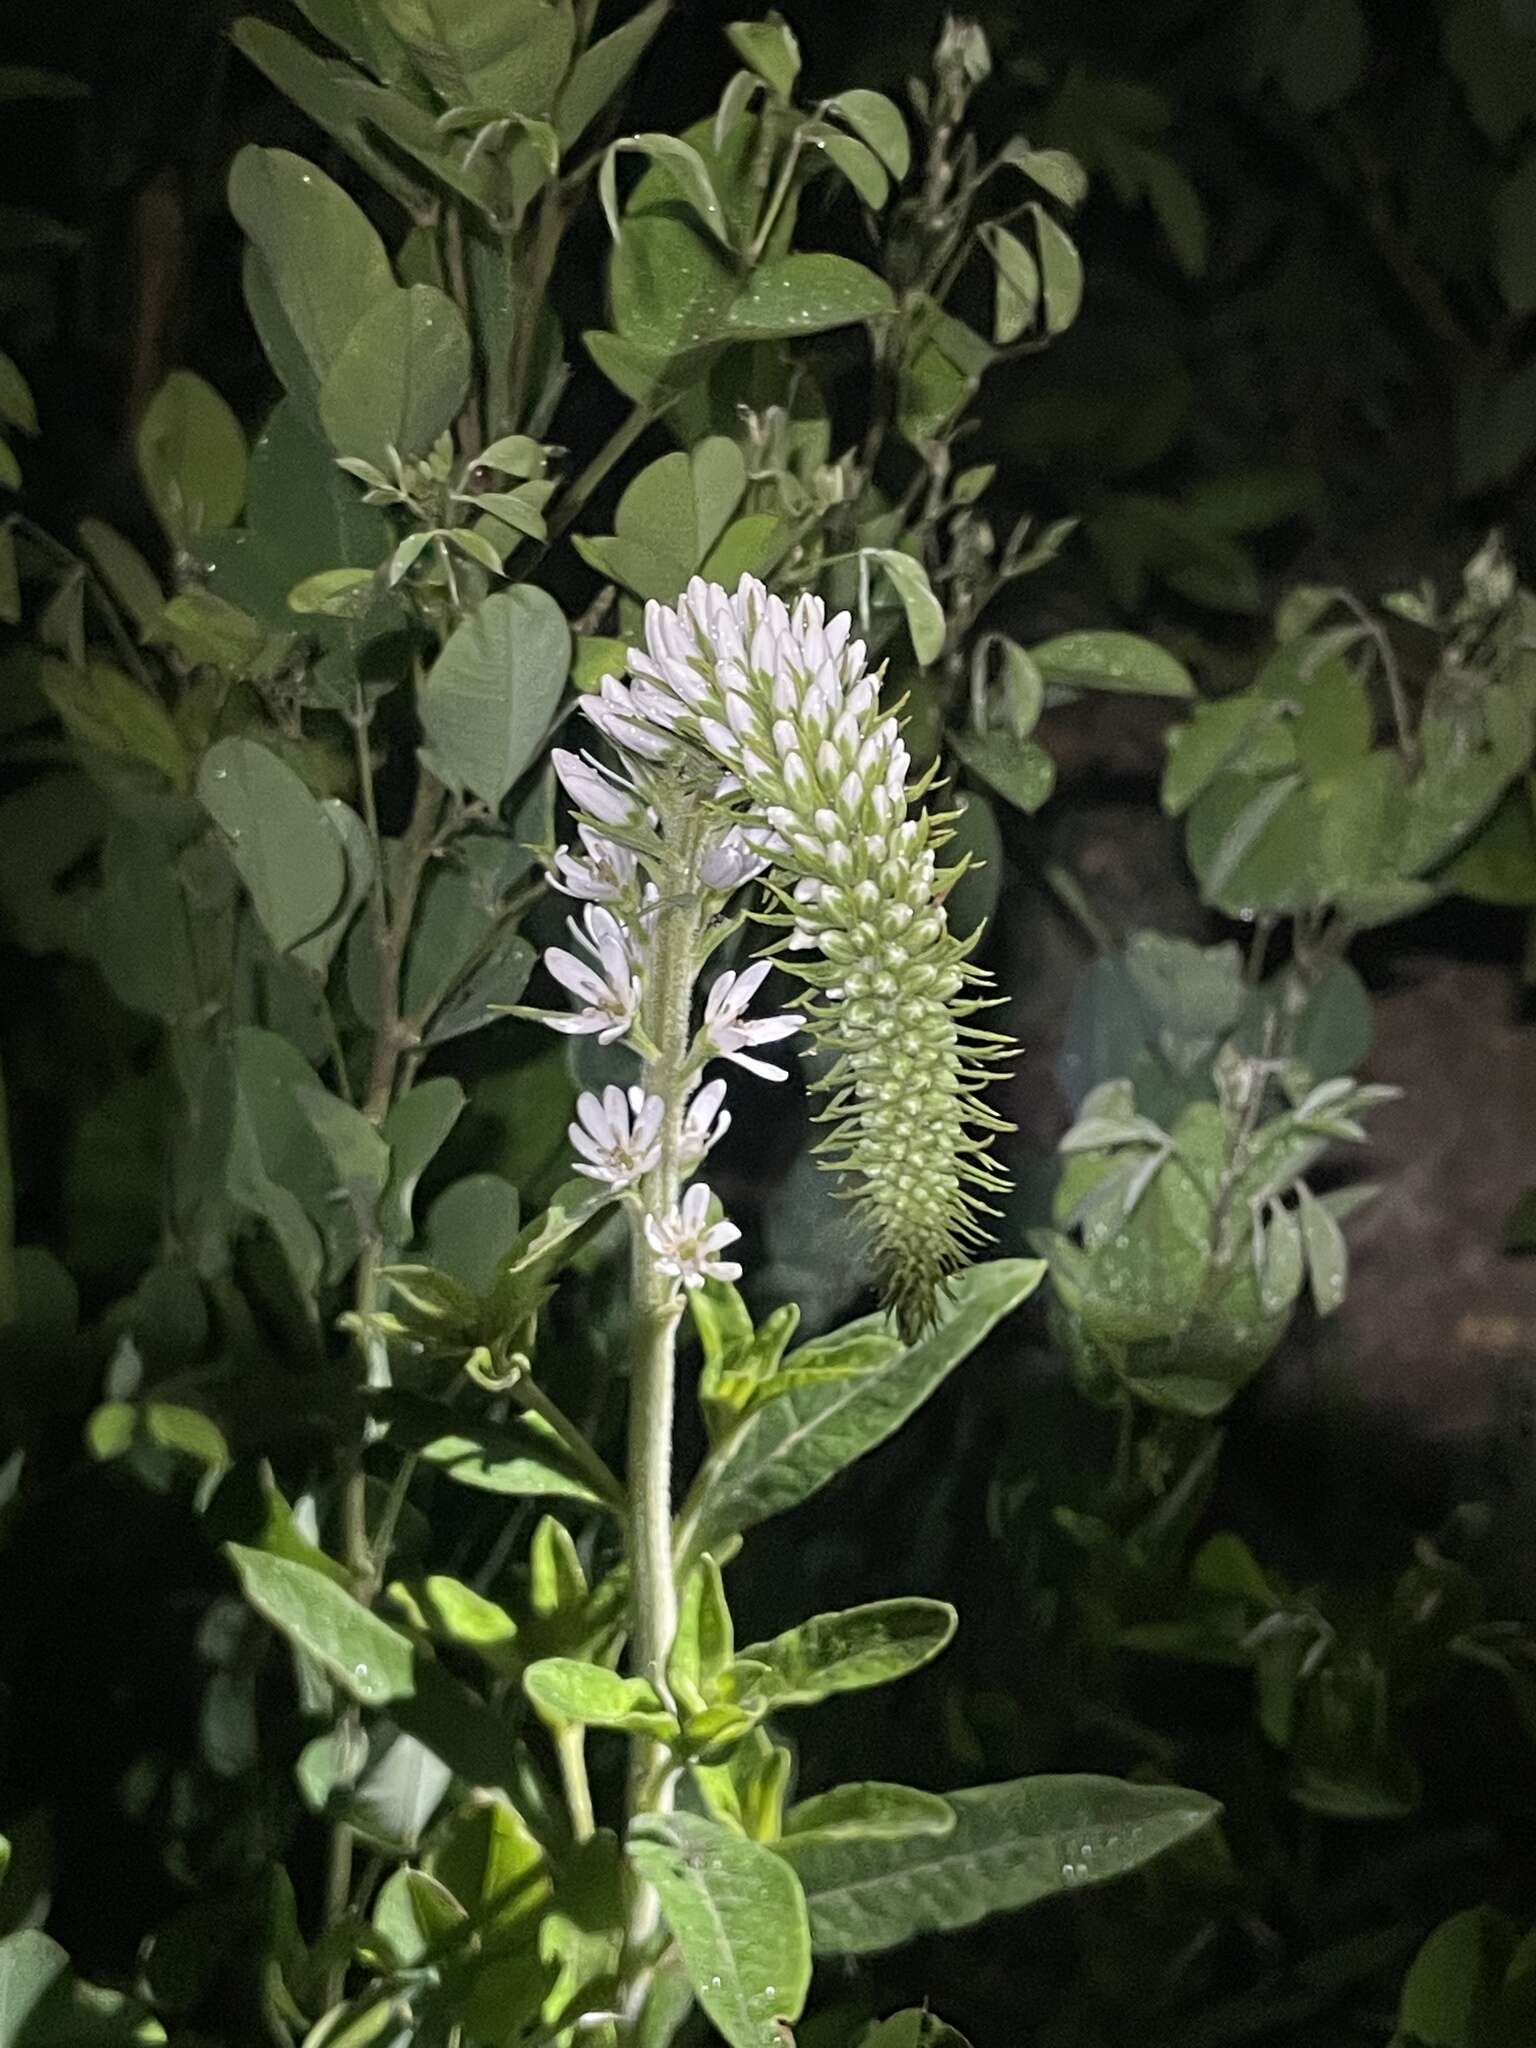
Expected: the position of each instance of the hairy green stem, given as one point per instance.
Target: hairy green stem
(571, 1749)
(528, 1394)
(658, 1303)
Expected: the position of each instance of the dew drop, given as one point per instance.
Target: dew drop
(714, 1983)
(359, 1670)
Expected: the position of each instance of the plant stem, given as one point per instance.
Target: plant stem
(658, 1305)
(658, 1300)
(533, 1397)
(469, 429)
(571, 1748)
(541, 266)
(614, 449)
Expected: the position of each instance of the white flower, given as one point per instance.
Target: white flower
(731, 861)
(605, 873)
(619, 1137)
(619, 716)
(697, 1135)
(685, 1241)
(611, 999)
(726, 1030)
(608, 799)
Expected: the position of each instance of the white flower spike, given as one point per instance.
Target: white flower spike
(686, 1243)
(816, 777)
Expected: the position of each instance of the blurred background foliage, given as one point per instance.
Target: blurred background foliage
(1305, 358)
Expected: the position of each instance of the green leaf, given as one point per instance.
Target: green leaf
(925, 615)
(600, 71)
(1018, 769)
(471, 1227)
(1327, 1253)
(571, 1693)
(1451, 1992)
(1012, 1845)
(659, 508)
(806, 294)
(322, 262)
(1053, 170)
(1018, 284)
(490, 697)
(506, 55)
(719, 483)
(414, 1130)
(118, 1426)
(191, 458)
(130, 579)
(458, 1613)
(368, 1659)
(522, 1460)
(686, 167)
(317, 952)
(400, 377)
(769, 48)
(1122, 662)
(1241, 732)
(788, 1449)
(648, 570)
(878, 123)
(917, 2028)
(44, 2005)
(860, 166)
(865, 1812)
(1061, 271)
(110, 714)
(336, 98)
(846, 1652)
(283, 846)
(741, 1928)
(16, 406)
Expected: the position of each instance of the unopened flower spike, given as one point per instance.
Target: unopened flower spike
(817, 777)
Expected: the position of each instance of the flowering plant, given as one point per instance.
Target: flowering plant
(303, 791)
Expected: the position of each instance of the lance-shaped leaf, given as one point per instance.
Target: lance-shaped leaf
(1011, 1845)
(741, 1929)
(861, 1646)
(367, 1658)
(789, 1448)
(522, 1459)
(600, 70)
